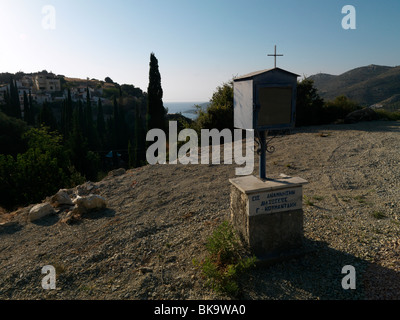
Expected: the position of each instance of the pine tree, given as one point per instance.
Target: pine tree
(155, 107)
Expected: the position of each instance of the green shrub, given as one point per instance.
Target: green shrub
(218, 117)
(219, 114)
(311, 109)
(339, 108)
(110, 92)
(225, 262)
(11, 130)
(309, 104)
(308, 201)
(378, 215)
(387, 115)
(39, 172)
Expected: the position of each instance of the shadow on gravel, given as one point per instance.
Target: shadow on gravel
(381, 283)
(318, 276)
(47, 221)
(371, 126)
(10, 229)
(95, 215)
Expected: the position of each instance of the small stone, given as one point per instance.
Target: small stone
(91, 202)
(61, 198)
(145, 270)
(40, 210)
(114, 288)
(6, 223)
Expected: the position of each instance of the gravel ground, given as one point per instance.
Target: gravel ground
(159, 217)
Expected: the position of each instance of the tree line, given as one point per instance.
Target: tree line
(51, 146)
(311, 109)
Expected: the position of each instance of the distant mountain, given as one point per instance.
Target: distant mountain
(370, 85)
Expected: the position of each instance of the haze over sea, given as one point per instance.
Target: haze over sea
(187, 109)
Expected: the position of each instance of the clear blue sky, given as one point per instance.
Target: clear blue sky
(199, 44)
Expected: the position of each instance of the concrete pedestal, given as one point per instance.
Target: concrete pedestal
(268, 215)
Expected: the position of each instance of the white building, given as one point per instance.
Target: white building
(46, 83)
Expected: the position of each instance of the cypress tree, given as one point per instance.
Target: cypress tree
(81, 118)
(63, 120)
(101, 125)
(139, 141)
(11, 99)
(7, 107)
(31, 119)
(131, 155)
(15, 106)
(68, 114)
(46, 117)
(115, 108)
(90, 130)
(109, 137)
(115, 125)
(89, 114)
(123, 127)
(77, 142)
(119, 127)
(155, 108)
(26, 108)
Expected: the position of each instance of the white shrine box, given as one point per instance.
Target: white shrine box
(265, 100)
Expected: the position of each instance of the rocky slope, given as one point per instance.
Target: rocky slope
(367, 85)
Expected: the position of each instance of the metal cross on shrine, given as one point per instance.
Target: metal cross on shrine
(275, 55)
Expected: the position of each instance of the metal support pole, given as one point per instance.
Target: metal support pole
(263, 175)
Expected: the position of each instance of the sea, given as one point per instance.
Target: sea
(187, 109)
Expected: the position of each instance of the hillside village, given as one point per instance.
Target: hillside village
(44, 86)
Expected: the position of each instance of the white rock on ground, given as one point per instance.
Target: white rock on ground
(90, 202)
(61, 198)
(40, 210)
